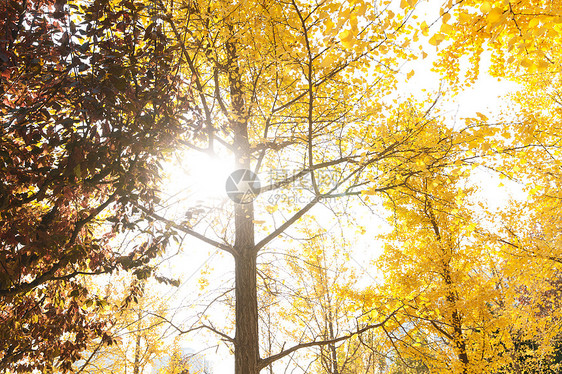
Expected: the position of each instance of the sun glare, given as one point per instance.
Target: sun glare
(206, 175)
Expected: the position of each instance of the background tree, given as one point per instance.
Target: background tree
(320, 282)
(522, 38)
(89, 104)
(444, 273)
(185, 363)
(142, 337)
(463, 293)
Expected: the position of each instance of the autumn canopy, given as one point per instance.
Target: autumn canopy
(389, 234)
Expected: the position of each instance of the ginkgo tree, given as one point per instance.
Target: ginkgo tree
(142, 337)
(299, 85)
(434, 262)
(470, 305)
(523, 40)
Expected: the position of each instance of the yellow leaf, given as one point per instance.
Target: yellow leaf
(533, 23)
(512, 41)
(410, 74)
(446, 17)
(446, 29)
(436, 39)
(465, 17)
(526, 63)
(271, 208)
(424, 28)
(543, 65)
(346, 38)
(486, 7)
(353, 22)
(424, 55)
(481, 116)
(328, 60)
(494, 15)
(371, 191)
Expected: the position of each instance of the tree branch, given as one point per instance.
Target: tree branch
(264, 362)
(188, 231)
(200, 327)
(286, 224)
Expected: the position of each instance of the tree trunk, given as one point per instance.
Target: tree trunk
(452, 296)
(246, 340)
(136, 362)
(456, 320)
(333, 350)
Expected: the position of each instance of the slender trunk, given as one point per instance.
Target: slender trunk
(136, 362)
(332, 347)
(456, 320)
(452, 296)
(333, 350)
(269, 339)
(246, 340)
(246, 346)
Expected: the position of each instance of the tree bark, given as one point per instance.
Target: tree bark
(456, 320)
(333, 351)
(247, 337)
(246, 340)
(136, 362)
(452, 296)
